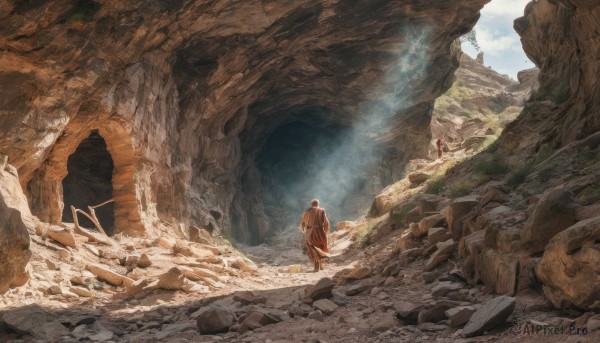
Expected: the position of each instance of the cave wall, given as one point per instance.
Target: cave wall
(184, 93)
(562, 38)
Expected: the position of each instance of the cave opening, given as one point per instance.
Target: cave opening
(89, 183)
(300, 161)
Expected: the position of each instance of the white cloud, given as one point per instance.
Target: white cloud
(495, 43)
(505, 8)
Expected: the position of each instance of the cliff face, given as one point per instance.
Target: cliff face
(186, 94)
(561, 38)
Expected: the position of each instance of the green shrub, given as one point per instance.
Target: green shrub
(400, 215)
(435, 185)
(519, 175)
(547, 173)
(492, 167)
(460, 190)
(84, 10)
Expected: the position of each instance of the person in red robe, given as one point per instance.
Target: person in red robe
(440, 147)
(315, 226)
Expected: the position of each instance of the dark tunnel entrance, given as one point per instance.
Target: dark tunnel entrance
(89, 183)
(301, 161)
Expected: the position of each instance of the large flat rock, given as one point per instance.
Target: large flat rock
(491, 314)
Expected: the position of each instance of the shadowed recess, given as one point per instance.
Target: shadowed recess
(89, 182)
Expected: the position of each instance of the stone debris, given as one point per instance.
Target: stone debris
(491, 314)
(321, 290)
(325, 305)
(214, 320)
(64, 237)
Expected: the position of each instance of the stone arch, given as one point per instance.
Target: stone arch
(45, 189)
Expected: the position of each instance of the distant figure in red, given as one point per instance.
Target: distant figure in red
(440, 146)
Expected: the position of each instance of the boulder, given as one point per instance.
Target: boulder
(172, 279)
(64, 237)
(435, 312)
(94, 332)
(499, 270)
(358, 273)
(325, 305)
(316, 315)
(552, 214)
(80, 291)
(491, 314)
(357, 289)
(568, 269)
(460, 315)
(14, 248)
(321, 290)
(408, 312)
(456, 212)
(438, 234)
(418, 177)
(443, 252)
(496, 192)
(214, 320)
(427, 223)
(33, 320)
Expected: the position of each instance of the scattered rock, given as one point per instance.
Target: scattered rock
(82, 292)
(171, 329)
(51, 265)
(321, 290)
(446, 287)
(438, 234)
(257, 319)
(460, 315)
(214, 319)
(357, 289)
(325, 305)
(144, 261)
(64, 237)
(109, 276)
(247, 298)
(407, 312)
(443, 252)
(427, 223)
(33, 320)
(172, 279)
(457, 211)
(316, 315)
(491, 314)
(94, 332)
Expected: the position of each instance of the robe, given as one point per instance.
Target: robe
(316, 226)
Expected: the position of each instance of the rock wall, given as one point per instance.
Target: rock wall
(561, 38)
(185, 93)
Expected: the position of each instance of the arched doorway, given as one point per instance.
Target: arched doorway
(89, 182)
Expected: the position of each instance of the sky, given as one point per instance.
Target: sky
(498, 40)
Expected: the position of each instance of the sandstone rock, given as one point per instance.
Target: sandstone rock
(214, 319)
(325, 305)
(418, 177)
(357, 289)
(446, 287)
(587, 212)
(35, 321)
(247, 298)
(552, 214)
(407, 312)
(244, 265)
(427, 223)
(82, 292)
(406, 241)
(54, 290)
(256, 320)
(495, 192)
(457, 211)
(200, 235)
(94, 332)
(144, 261)
(51, 265)
(460, 315)
(167, 330)
(445, 249)
(491, 314)
(499, 271)
(567, 269)
(64, 237)
(109, 276)
(14, 247)
(358, 273)
(172, 279)
(438, 234)
(321, 290)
